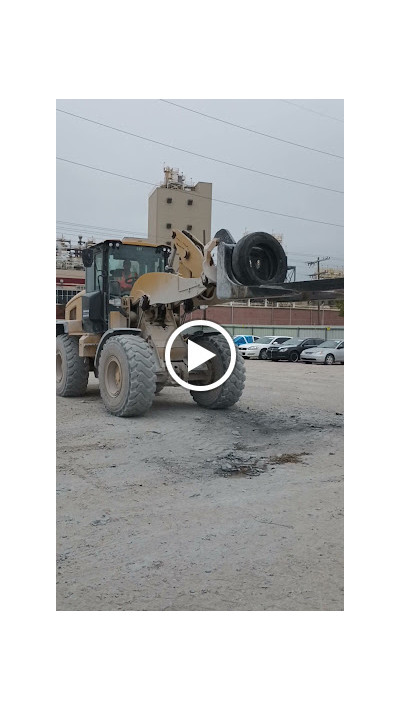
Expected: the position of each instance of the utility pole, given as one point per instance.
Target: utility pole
(311, 264)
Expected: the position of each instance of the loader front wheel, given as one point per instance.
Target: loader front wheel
(231, 390)
(72, 371)
(127, 376)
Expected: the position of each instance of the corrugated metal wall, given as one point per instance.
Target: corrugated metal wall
(293, 331)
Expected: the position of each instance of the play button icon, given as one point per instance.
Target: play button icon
(197, 355)
(204, 364)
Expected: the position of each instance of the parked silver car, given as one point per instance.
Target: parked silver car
(328, 352)
(259, 349)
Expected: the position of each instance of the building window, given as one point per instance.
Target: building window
(64, 295)
(189, 227)
(169, 225)
(169, 200)
(190, 202)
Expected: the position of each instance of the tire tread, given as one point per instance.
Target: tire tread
(230, 391)
(142, 375)
(77, 368)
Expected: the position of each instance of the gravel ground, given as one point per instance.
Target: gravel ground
(193, 509)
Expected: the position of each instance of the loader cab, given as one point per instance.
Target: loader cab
(112, 268)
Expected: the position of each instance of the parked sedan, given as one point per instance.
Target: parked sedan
(328, 352)
(243, 340)
(259, 349)
(292, 349)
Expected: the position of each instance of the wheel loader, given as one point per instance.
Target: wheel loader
(138, 293)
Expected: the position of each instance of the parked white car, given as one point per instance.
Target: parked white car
(259, 349)
(328, 352)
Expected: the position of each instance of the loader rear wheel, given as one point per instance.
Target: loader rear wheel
(127, 376)
(72, 371)
(230, 391)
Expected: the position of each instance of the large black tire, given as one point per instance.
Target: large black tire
(230, 391)
(258, 259)
(127, 376)
(330, 359)
(72, 371)
(294, 357)
(263, 354)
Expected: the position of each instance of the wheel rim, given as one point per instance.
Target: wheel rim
(263, 355)
(113, 377)
(329, 359)
(294, 357)
(59, 368)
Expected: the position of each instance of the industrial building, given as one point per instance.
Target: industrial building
(177, 204)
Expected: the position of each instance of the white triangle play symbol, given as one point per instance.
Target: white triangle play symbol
(197, 355)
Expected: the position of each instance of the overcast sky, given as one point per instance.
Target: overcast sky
(92, 198)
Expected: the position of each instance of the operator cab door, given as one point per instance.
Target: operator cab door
(93, 315)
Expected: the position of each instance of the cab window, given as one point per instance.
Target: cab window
(93, 283)
(126, 263)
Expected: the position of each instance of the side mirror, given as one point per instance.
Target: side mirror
(87, 257)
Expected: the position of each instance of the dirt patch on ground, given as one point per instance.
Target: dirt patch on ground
(289, 458)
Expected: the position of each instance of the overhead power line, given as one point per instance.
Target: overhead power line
(77, 227)
(298, 258)
(85, 232)
(200, 155)
(203, 197)
(97, 227)
(252, 130)
(68, 232)
(311, 111)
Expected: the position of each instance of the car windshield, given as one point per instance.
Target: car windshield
(329, 344)
(265, 339)
(292, 342)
